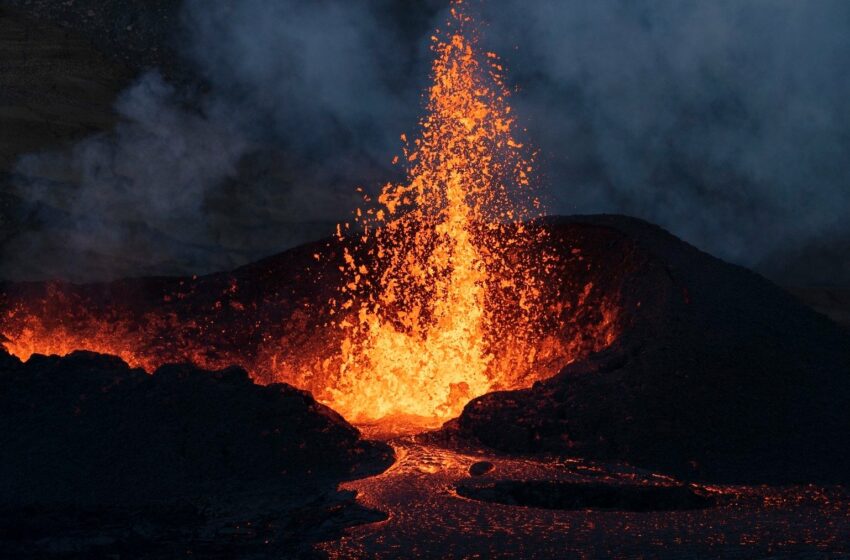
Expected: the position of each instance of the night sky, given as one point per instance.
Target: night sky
(243, 128)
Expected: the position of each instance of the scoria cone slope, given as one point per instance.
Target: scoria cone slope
(716, 374)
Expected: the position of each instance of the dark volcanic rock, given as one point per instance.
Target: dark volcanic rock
(98, 460)
(480, 468)
(86, 430)
(8, 363)
(717, 374)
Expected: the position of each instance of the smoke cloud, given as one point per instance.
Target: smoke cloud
(724, 121)
(133, 193)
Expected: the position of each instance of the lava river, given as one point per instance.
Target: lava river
(428, 518)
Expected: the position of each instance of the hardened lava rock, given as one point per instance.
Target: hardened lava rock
(87, 430)
(717, 374)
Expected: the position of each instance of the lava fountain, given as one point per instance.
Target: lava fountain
(441, 291)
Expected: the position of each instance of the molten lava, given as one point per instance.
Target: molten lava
(443, 290)
(441, 295)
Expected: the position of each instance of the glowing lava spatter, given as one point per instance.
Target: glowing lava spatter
(447, 291)
(440, 285)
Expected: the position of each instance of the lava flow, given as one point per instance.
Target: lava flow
(443, 290)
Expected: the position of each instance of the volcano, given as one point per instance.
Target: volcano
(715, 374)
(683, 365)
(453, 374)
(678, 362)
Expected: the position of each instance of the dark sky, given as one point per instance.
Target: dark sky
(725, 121)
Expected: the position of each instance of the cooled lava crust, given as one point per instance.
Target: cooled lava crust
(713, 373)
(86, 430)
(717, 375)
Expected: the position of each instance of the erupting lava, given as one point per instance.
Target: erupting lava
(442, 292)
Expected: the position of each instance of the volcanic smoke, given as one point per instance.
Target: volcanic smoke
(443, 289)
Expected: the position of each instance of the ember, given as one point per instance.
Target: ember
(443, 291)
(446, 304)
(602, 388)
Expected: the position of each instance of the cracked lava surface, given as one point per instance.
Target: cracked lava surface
(428, 519)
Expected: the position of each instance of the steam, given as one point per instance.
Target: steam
(725, 122)
(322, 77)
(135, 192)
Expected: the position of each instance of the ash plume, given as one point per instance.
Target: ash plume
(725, 122)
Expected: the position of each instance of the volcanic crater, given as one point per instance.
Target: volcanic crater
(664, 358)
(530, 375)
(655, 352)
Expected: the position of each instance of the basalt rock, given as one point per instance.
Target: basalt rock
(86, 430)
(717, 374)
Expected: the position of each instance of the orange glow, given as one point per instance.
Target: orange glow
(443, 290)
(438, 293)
